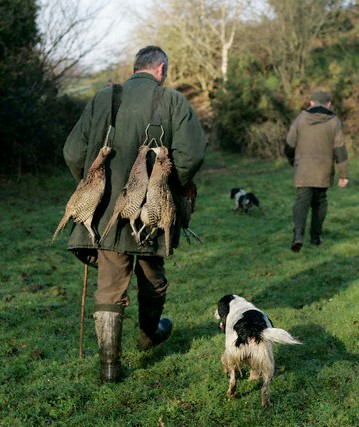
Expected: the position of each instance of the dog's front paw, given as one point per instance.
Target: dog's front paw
(266, 403)
(231, 394)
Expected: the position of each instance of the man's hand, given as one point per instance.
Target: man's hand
(343, 182)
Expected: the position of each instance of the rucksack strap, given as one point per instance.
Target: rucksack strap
(156, 113)
(116, 102)
(156, 117)
(156, 110)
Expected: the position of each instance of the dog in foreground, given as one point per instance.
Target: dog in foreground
(244, 200)
(249, 337)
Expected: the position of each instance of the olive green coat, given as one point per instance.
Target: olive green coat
(183, 135)
(315, 143)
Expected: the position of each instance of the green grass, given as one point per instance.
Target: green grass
(313, 294)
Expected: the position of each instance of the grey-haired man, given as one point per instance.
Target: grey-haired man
(119, 255)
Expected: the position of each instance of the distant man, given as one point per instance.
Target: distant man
(315, 143)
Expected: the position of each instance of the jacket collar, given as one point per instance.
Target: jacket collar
(320, 109)
(142, 75)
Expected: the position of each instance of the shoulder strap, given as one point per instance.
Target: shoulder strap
(156, 114)
(115, 105)
(116, 102)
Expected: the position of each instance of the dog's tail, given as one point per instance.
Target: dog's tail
(279, 336)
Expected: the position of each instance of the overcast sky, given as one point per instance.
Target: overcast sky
(118, 18)
(112, 24)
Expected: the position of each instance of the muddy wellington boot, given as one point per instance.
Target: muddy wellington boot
(108, 325)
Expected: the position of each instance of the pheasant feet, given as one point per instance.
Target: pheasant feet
(189, 233)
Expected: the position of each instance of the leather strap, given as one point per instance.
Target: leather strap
(156, 113)
(116, 102)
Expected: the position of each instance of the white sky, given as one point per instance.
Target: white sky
(111, 24)
(117, 18)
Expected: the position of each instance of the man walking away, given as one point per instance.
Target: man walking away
(314, 145)
(119, 255)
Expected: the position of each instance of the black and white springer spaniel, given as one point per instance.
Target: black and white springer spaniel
(249, 337)
(244, 200)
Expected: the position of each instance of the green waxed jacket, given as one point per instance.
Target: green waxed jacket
(183, 135)
(315, 143)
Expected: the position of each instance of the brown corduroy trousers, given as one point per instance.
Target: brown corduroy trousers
(115, 271)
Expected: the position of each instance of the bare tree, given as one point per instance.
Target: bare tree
(222, 23)
(198, 35)
(67, 35)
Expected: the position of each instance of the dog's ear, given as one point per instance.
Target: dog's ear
(223, 317)
(233, 192)
(223, 308)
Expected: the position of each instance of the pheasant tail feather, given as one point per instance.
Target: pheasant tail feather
(109, 226)
(61, 226)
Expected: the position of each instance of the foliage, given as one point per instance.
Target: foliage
(250, 112)
(30, 127)
(287, 39)
(312, 294)
(236, 105)
(342, 75)
(262, 95)
(20, 72)
(275, 62)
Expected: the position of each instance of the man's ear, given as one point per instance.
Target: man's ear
(160, 72)
(162, 68)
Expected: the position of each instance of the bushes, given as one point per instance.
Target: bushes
(33, 120)
(59, 115)
(266, 140)
(251, 115)
(236, 104)
(254, 112)
(33, 132)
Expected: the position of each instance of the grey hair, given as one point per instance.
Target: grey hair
(149, 57)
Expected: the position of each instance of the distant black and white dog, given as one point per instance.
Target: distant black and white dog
(249, 337)
(244, 200)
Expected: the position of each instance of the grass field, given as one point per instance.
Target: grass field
(313, 294)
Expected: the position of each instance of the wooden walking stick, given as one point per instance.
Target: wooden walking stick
(82, 321)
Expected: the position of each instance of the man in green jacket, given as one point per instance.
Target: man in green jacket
(119, 254)
(315, 143)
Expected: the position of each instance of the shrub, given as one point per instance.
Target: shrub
(266, 140)
(251, 115)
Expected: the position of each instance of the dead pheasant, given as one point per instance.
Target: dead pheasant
(87, 196)
(129, 202)
(159, 210)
